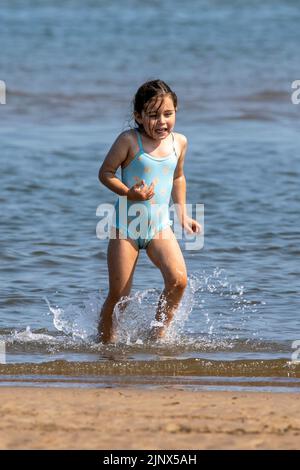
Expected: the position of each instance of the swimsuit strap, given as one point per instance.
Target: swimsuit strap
(174, 144)
(141, 148)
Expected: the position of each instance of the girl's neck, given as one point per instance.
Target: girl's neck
(150, 139)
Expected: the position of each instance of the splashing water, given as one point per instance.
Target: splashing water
(213, 314)
(134, 317)
(80, 323)
(220, 308)
(28, 336)
(213, 317)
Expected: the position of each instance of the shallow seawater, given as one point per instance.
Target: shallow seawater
(211, 351)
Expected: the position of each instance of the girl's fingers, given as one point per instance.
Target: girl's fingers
(146, 192)
(198, 227)
(189, 229)
(150, 194)
(140, 187)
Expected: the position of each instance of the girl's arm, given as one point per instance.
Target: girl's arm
(115, 157)
(107, 172)
(179, 192)
(179, 183)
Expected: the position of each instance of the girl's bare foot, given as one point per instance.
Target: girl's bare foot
(106, 338)
(157, 331)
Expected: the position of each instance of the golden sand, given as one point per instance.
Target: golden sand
(127, 418)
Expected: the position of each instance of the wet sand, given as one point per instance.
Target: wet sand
(126, 418)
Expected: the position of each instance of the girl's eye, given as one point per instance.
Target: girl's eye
(154, 116)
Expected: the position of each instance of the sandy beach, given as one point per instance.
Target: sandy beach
(126, 418)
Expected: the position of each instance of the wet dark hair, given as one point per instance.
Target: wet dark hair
(147, 92)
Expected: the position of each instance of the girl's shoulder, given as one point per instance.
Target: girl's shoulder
(127, 140)
(129, 137)
(181, 138)
(126, 136)
(180, 142)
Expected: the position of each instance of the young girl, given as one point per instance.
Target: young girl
(151, 157)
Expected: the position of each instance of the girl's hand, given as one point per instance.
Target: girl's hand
(191, 225)
(141, 192)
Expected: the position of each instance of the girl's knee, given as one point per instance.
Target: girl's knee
(178, 282)
(181, 283)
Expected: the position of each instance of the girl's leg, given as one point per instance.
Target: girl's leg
(167, 256)
(122, 256)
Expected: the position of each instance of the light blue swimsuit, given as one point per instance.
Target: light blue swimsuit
(146, 218)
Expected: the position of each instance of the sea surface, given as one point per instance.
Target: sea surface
(71, 69)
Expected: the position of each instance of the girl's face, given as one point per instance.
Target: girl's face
(158, 117)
